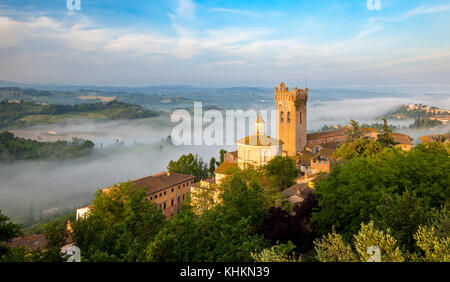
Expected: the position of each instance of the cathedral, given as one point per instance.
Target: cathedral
(312, 152)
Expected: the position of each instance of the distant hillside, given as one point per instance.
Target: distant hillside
(13, 148)
(416, 111)
(21, 113)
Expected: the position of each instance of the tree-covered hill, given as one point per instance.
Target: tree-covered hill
(22, 113)
(13, 148)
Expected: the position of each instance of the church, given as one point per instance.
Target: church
(292, 138)
(312, 152)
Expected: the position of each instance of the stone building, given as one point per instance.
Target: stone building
(167, 189)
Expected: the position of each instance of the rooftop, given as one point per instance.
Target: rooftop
(259, 140)
(225, 168)
(326, 134)
(162, 180)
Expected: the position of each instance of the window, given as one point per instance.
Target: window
(281, 116)
(178, 199)
(172, 202)
(300, 116)
(165, 193)
(156, 196)
(184, 184)
(289, 117)
(172, 190)
(160, 194)
(164, 205)
(151, 197)
(179, 187)
(183, 196)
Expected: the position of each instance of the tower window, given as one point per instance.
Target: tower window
(300, 117)
(288, 117)
(281, 116)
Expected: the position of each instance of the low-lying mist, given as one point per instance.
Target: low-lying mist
(140, 152)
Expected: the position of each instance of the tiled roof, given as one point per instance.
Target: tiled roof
(32, 242)
(369, 129)
(326, 152)
(259, 140)
(433, 137)
(402, 138)
(326, 134)
(162, 180)
(225, 168)
(305, 158)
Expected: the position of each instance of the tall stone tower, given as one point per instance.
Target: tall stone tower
(291, 118)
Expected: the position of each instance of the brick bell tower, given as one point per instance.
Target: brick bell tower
(291, 118)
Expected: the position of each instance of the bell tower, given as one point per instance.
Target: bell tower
(291, 118)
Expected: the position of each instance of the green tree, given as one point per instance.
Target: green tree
(222, 155)
(354, 132)
(277, 253)
(212, 166)
(190, 164)
(385, 137)
(8, 230)
(403, 214)
(283, 171)
(120, 225)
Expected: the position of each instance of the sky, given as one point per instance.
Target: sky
(225, 43)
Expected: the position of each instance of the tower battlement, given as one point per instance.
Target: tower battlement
(283, 93)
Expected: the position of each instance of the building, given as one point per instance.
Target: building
(402, 141)
(258, 149)
(224, 169)
(291, 118)
(166, 189)
(435, 138)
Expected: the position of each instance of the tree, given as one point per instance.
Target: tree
(365, 148)
(283, 172)
(190, 164)
(384, 137)
(403, 214)
(354, 132)
(355, 188)
(276, 253)
(212, 166)
(225, 232)
(120, 225)
(434, 247)
(8, 230)
(333, 248)
(222, 155)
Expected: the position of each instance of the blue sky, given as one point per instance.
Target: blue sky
(225, 43)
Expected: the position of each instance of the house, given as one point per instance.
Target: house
(167, 189)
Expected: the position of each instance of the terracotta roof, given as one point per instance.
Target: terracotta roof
(305, 158)
(162, 180)
(326, 152)
(259, 140)
(433, 137)
(225, 168)
(402, 138)
(32, 242)
(369, 129)
(326, 134)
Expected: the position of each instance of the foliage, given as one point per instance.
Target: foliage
(276, 253)
(13, 148)
(364, 148)
(120, 225)
(355, 188)
(190, 164)
(434, 247)
(354, 132)
(8, 230)
(281, 226)
(384, 137)
(222, 155)
(283, 171)
(225, 232)
(333, 248)
(25, 113)
(403, 214)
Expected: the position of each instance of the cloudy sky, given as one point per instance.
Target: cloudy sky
(225, 43)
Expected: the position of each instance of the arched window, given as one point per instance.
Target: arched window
(300, 117)
(289, 117)
(281, 116)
